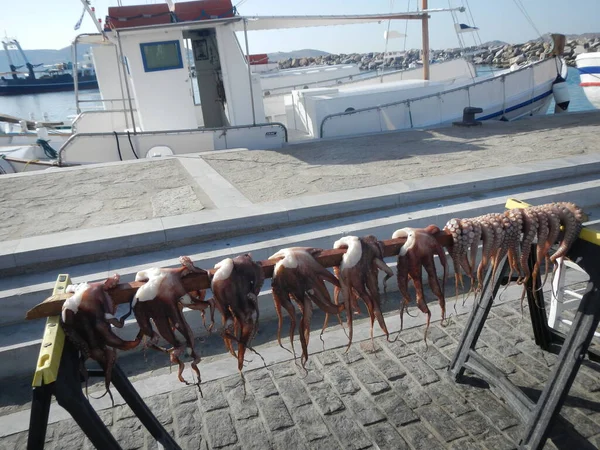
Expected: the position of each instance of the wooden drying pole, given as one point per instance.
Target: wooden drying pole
(124, 292)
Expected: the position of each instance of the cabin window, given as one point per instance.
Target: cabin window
(164, 55)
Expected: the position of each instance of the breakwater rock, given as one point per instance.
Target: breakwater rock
(494, 54)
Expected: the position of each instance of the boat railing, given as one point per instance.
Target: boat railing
(97, 146)
(501, 94)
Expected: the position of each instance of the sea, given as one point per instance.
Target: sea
(59, 106)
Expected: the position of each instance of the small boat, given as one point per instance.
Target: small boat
(588, 65)
(54, 79)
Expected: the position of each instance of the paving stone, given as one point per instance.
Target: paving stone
(441, 422)
(412, 335)
(161, 408)
(395, 408)
(493, 410)
(386, 437)
(327, 443)
(325, 398)
(449, 350)
(445, 394)
(293, 392)
(327, 358)
(310, 423)
(590, 382)
(122, 412)
(285, 369)
(465, 444)
(69, 435)
(188, 419)
(253, 435)
(212, 397)
(17, 441)
(530, 366)
(499, 344)
(498, 442)
(129, 434)
(399, 348)
(419, 437)
(412, 392)
(391, 369)
(241, 405)
(219, 429)
(193, 442)
(351, 356)
(501, 362)
(432, 356)
(581, 422)
(275, 413)
(185, 395)
(369, 377)
(476, 424)
(416, 367)
(522, 379)
(341, 378)
(363, 408)
(261, 383)
(514, 433)
(351, 436)
(438, 337)
(288, 439)
(107, 416)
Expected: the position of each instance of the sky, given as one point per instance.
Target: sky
(48, 24)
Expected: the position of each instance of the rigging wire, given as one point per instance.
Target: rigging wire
(521, 7)
(406, 27)
(387, 38)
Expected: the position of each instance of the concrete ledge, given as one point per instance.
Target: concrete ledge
(135, 237)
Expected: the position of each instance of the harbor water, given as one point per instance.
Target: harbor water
(60, 105)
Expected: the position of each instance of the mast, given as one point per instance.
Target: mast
(425, 29)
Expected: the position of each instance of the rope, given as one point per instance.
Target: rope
(118, 146)
(48, 150)
(131, 145)
(406, 27)
(527, 17)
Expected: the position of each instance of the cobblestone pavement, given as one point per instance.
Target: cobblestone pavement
(398, 397)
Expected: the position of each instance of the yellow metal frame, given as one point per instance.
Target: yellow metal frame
(586, 234)
(53, 342)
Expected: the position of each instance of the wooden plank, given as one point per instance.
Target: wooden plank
(124, 292)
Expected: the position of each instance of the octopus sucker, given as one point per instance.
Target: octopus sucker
(513, 238)
(553, 234)
(235, 286)
(530, 229)
(86, 319)
(572, 228)
(358, 278)
(487, 236)
(417, 253)
(455, 250)
(160, 300)
(297, 275)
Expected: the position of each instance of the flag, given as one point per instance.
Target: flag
(392, 34)
(78, 24)
(463, 28)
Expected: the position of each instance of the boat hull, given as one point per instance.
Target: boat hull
(588, 65)
(41, 86)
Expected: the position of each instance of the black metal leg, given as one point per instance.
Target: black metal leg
(141, 410)
(537, 307)
(481, 309)
(572, 354)
(67, 391)
(38, 420)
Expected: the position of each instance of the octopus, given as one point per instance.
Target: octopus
(87, 317)
(415, 254)
(161, 299)
(357, 275)
(298, 275)
(236, 284)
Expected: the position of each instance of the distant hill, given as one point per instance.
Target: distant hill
(41, 56)
(494, 44)
(304, 53)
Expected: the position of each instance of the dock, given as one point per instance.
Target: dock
(123, 217)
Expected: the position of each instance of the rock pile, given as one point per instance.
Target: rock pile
(502, 56)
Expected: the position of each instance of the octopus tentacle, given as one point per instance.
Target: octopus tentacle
(487, 235)
(455, 250)
(572, 228)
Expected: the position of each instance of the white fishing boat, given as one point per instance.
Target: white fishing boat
(151, 108)
(588, 65)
